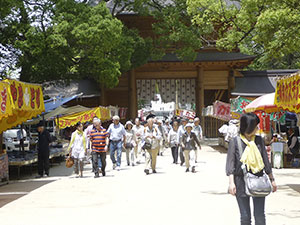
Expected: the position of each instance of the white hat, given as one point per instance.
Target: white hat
(159, 121)
(96, 120)
(116, 117)
(128, 123)
(188, 125)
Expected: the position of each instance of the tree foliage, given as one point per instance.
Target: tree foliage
(67, 39)
(266, 28)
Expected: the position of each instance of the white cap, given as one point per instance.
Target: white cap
(96, 120)
(159, 121)
(188, 125)
(128, 123)
(115, 117)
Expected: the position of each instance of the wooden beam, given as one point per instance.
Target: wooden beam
(166, 74)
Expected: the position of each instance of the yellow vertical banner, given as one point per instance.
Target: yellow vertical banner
(104, 113)
(287, 94)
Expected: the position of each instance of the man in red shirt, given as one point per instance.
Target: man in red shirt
(99, 145)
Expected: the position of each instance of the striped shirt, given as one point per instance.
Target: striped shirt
(98, 139)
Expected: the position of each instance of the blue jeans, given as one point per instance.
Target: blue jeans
(113, 147)
(245, 211)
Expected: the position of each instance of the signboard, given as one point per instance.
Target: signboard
(222, 110)
(264, 125)
(185, 113)
(287, 94)
(19, 102)
(71, 120)
(237, 106)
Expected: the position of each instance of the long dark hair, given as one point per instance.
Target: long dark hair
(248, 123)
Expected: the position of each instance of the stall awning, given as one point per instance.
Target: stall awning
(19, 102)
(55, 102)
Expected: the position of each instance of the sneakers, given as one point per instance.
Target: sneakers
(146, 171)
(114, 166)
(39, 176)
(96, 175)
(118, 168)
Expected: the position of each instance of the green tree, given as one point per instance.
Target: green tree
(68, 39)
(266, 28)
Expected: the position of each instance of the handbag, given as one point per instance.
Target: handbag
(69, 162)
(255, 186)
(147, 145)
(128, 145)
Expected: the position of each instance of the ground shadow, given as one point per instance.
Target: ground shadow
(18, 189)
(219, 149)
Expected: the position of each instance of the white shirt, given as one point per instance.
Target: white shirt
(77, 145)
(173, 137)
(116, 132)
(181, 131)
(130, 137)
(198, 131)
(138, 130)
(153, 132)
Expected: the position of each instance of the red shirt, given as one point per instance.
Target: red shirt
(98, 139)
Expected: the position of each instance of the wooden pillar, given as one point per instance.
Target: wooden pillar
(132, 95)
(200, 94)
(231, 83)
(103, 95)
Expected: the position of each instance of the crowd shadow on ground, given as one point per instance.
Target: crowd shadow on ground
(22, 185)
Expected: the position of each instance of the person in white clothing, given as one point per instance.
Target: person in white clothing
(77, 148)
(138, 129)
(151, 139)
(197, 129)
(173, 141)
(181, 131)
(130, 143)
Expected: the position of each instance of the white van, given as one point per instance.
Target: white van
(11, 139)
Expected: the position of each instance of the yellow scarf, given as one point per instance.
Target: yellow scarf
(251, 156)
(73, 138)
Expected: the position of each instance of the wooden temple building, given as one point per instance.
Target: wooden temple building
(209, 78)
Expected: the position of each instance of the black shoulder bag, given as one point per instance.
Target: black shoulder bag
(255, 186)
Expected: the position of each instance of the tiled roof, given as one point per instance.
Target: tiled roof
(256, 83)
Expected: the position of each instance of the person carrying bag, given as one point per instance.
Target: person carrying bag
(247, 160)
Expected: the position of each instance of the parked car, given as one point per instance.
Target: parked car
(12, 138)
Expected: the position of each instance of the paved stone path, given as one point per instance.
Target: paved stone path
(130, 197)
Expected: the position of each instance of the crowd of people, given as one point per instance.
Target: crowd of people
(142, 141)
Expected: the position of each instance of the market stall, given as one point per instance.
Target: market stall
(19, 102)
(287, 97)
